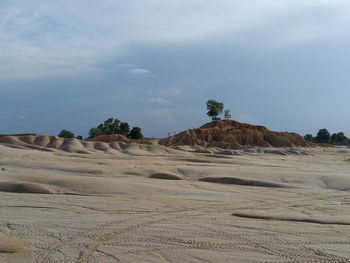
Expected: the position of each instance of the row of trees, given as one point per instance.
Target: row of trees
(109, 126)
(215, 109)
(323, 136)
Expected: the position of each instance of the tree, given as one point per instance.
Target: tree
(334, 138)
(309, 137)
(79, 137)
(66, 134)
(135, 133)
(323, 136)
(339, 138)
(94, 132)
(124, 128)
(110, 126)
(214, 109)
(115, 126)
(227, 114)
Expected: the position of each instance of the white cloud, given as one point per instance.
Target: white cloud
(66, 37)
(159, 100)
(139, 71)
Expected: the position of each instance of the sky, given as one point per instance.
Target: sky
(71, 64)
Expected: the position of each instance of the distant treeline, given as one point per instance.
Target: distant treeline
(109, 126)
(323, 136)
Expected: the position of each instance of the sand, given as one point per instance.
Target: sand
(74, 201)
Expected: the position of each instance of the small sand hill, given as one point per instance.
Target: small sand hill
(21, 134)
(53, 143)
(11, 245)
(231, 134)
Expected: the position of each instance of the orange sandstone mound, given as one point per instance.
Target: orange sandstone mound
(233, 134)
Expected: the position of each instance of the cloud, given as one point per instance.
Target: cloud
(159, 100)
(139, 71)
(63, 37)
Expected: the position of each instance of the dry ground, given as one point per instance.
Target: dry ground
(103, 207)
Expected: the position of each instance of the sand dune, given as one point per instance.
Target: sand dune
(11, 245)
(26, 188)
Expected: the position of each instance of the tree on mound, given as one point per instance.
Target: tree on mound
(227, 115)
(214, 109)
(115, 126)
(66, 134)
(135, 133)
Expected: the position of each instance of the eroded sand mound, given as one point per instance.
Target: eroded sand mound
(52, 143)
(231, 134)
(11, 245)
(240, 181)
(21, 134)
(168, 176)
(32, 188)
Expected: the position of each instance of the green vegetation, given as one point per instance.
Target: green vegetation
(109, 126)
(66, 134)
(214, 109)
(135, 133)
(115, 126)
(227, 115)
(339, 138)
(323, 136)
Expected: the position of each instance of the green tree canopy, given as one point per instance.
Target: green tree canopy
(115, 126)
(339, 138)
(124, 128)
(94, 132)
(323, 136)
(66, 134)
(309, 137)
(135, 133)
(110, 126)
(214, 108)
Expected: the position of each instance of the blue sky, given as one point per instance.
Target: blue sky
(71, 64)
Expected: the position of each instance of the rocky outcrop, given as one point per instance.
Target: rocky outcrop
(233, 134)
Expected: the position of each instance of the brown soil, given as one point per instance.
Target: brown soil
(231, 134)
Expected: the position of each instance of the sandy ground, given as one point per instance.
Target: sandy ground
(252, 205)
